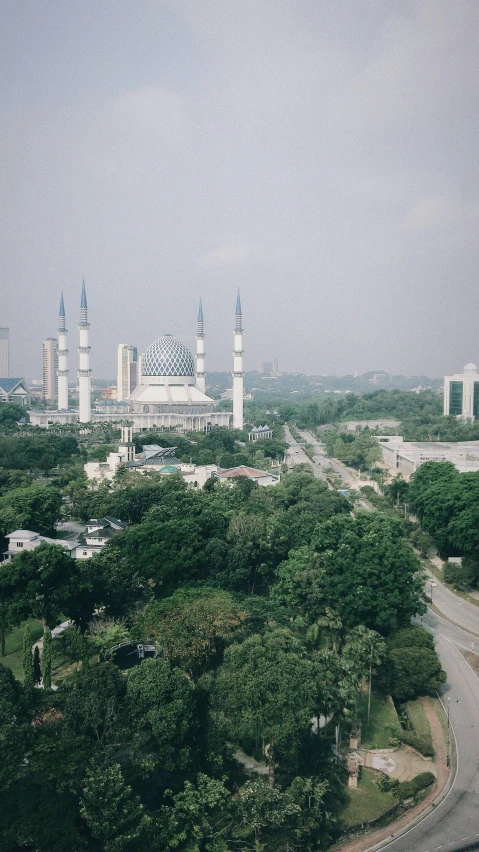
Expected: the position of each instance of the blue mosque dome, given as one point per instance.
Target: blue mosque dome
(167, 357)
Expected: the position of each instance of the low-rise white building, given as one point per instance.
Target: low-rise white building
(152, 459)
(406, 456)
(259, 433)
(14, 390)
(21, 540)
(97, 534)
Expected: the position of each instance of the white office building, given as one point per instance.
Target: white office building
(461, 394)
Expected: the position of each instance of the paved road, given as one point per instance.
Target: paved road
(322, 463)
(297, 455)
(455, 822)
(452, 607)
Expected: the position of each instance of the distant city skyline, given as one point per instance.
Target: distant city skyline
(320, 155)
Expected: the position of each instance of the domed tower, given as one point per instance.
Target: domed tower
(168, 381)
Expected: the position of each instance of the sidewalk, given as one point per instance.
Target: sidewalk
(373, 840)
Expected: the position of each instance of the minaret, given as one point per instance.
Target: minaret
(238, 367)
(62, 359)
(84, 373)
(200, 352)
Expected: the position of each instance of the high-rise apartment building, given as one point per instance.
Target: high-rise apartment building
(127, 378)
(50, 369)
(268, 368)
(4, 353)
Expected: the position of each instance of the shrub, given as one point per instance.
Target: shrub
(416, 742)
(408, 789)
(461, 576)
(387, 784)
(411, 637)
(399, 735)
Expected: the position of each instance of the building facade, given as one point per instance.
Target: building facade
(50, 369)
(127, 374)
(97, 534)
(461, 394)
(14, 390)
(62, 359)
(4, 353)
(166, 389)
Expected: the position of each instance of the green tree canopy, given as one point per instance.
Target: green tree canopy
(36, 508)
(162, 707)
(193, 627)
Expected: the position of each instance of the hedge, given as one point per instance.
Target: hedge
(408, 789)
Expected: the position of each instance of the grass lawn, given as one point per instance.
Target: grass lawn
(419, 721)
(14, 645)
(441, 715)
(367, 802)
(374, 733)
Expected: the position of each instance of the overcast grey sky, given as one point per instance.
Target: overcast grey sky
(320, 154)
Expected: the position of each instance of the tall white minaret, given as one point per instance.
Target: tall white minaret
(84, 373)
(238, 367)
(62, 359)
(200, 352)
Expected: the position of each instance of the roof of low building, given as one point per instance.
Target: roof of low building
(30, 535)
(26, 535)
(243, 470)
(8, 385)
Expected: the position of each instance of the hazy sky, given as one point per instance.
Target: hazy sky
(320, 154)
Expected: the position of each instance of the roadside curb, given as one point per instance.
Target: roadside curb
(419, 817)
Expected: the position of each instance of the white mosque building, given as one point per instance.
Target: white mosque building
(168, 391)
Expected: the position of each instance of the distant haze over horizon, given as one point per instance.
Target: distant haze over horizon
(322, 156)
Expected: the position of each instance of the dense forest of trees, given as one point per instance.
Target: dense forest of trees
(268, 607)
(395, 404)
(446, 503)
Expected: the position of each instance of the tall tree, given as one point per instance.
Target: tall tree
(113, 815)
(162, 706)
(266, 687)
(47, 583)
(36, 508)
(27, 661)
(47, 658)
(37, 666)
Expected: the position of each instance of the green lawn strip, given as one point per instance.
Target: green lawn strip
(14, 645)
(374, 733)
(367, 802)
(438, 709)
(419, 721)
(440, 576)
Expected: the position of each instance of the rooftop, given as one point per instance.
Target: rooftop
(243, 470)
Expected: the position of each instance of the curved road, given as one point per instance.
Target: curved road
(454, 823)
